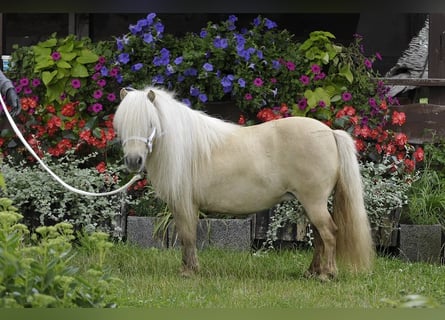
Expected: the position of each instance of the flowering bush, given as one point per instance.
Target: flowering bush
(247, 65)
(68, 94)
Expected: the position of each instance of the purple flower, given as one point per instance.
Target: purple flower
(248, 96)
(101, 83)
(75, 83)
(159, 27)
(35, 82)
(226, 81)
(258, 82)
(111, 97)
(56, 56)
(27, 90)
(157, 79)
(315, 69)
(97, 94)
(302, 104)
(304, 79)
(242, 82)
(321, 103)
(220, 43)
(24, 82)
(378, 56)
(179, 60)
(372, 102)
(104, 71)
(136, 67)
(276, 64)
(194, 92)
(148, 38)
(97, 107)
(256, 21)
(202, 97)
(207, 67)
(123, 58)
(190, 72)
(232, 18)
(150, 18)
(320, 76)
(269, 24)
(346, 96)
(368, 63)
(187, 102)
(203, 34)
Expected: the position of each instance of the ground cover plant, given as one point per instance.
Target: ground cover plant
(242, 279)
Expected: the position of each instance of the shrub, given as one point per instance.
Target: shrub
(43, 201)
(35, 269)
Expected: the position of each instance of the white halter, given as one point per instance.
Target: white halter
(148, 141)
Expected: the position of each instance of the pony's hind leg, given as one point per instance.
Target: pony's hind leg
(186, 227)
(323, 265)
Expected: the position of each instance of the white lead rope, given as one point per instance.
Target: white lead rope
(63, 183)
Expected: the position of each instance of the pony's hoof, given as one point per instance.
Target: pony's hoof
(323, 277)
(187, 272)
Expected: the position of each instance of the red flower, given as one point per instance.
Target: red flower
(419, 154)
(398, 118)
(409, 165)
(359, 145)
(241, 120)
(69, 110)
(101, 167)
(401, 139)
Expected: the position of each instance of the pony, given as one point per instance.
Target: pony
(198, 162)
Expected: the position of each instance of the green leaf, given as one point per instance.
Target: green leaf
(87, 57)
(79, 70)
(48, 76)
(48, 43)
(345, 71)
(63, 64)
(68, 56)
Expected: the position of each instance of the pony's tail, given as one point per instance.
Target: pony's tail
(355, 246)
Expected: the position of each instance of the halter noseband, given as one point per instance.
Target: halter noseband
(148, 141)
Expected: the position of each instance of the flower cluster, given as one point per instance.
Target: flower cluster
(335, 86)
(220, 62)
(75, 113)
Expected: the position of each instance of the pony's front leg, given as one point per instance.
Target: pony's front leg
(186, 227)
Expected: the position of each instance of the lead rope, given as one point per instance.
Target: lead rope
(63, 183)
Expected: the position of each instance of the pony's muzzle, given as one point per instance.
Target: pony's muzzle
(134, 163)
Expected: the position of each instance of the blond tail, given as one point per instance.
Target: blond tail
(355, 246)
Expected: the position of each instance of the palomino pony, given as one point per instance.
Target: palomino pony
(197, 162)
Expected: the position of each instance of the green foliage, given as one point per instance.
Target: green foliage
(60, 60)
(426, 198)
(43, 201)
(36, 269)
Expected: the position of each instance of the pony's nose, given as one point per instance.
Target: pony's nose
(134, 163)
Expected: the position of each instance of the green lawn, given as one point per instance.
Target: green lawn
(231, 279)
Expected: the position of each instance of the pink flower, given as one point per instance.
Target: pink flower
(111, 97)
(75, 83)
(248, 96)
(56, 56)
(97, 94)
(258, 82)
(101, 83)
(290, 65)
(304, 79)
(315, 69)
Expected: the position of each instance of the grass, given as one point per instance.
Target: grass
(233, 279)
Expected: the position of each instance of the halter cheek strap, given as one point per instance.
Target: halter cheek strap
(148, 141)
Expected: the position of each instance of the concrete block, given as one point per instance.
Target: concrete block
(140, 231)
(420, 243)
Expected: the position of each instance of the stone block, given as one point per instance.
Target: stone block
(140, 231)
(420, 243)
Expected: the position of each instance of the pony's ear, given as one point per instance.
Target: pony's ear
(123, 93)
(151, 95)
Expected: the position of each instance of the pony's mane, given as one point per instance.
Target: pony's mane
(183, 145)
